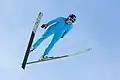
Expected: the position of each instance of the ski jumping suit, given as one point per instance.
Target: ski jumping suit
(59, 28)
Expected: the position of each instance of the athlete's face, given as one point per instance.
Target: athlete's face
(68, 21)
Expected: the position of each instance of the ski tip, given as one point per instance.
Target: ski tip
(89, 49)
(40, 13)
(23, 67)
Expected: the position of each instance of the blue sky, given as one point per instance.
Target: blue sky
(97, 26)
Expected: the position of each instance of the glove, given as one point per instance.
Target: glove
(62, 36)
(44, 26)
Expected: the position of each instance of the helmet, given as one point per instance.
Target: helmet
(72, 17)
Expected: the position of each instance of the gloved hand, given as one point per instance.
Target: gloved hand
(44, 26)
(62, 36)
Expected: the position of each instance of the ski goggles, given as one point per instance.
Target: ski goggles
(72, 19)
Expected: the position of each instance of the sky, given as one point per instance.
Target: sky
(97, 26)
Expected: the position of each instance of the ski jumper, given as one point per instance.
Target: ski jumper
(59, 28)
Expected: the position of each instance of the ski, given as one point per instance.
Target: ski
(58, 57)
(31, 39)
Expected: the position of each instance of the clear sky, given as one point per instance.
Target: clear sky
(97, 26)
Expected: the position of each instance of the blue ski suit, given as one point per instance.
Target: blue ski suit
(59, 28)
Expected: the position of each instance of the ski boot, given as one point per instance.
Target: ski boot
(44, 56)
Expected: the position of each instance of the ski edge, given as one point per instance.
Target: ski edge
(62, 56)
(36, 25)
(28, 50)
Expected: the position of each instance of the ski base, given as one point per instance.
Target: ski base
(31, 39)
